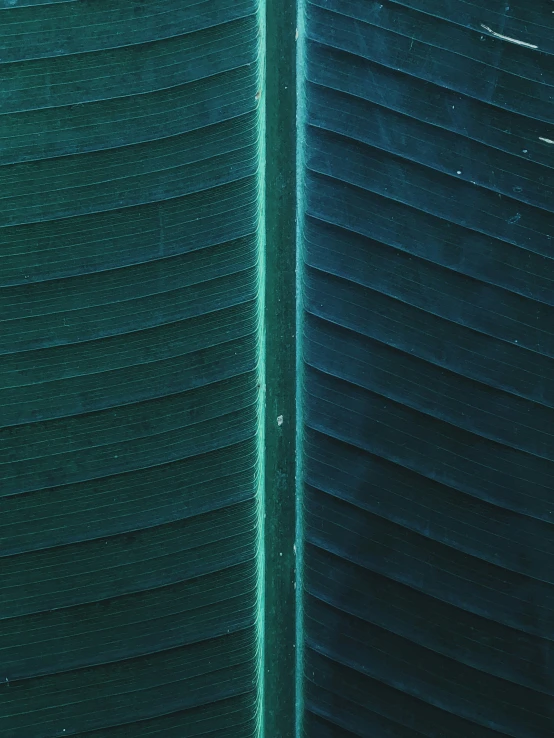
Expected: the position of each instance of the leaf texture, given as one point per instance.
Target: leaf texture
(428, 345)
(129, 368)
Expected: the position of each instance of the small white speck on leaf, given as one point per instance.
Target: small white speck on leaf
(279, 420)
(459, 171)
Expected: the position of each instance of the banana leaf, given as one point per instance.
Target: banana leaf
(276, 360)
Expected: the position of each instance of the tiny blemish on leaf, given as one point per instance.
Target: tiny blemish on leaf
(510, 39)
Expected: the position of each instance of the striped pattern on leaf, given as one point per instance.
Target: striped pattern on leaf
(428, 344)
(129, 363)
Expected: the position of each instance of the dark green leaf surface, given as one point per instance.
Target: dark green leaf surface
(429, 346)
(129, 368)
(147, 247)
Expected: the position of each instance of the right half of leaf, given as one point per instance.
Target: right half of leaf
(428, 342)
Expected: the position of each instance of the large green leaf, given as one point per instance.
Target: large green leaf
(154, 385)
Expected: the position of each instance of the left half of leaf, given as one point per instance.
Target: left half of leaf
(130, 361)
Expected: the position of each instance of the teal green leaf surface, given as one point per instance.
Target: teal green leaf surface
(130, 359)
(276, 369)
(428, 343)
